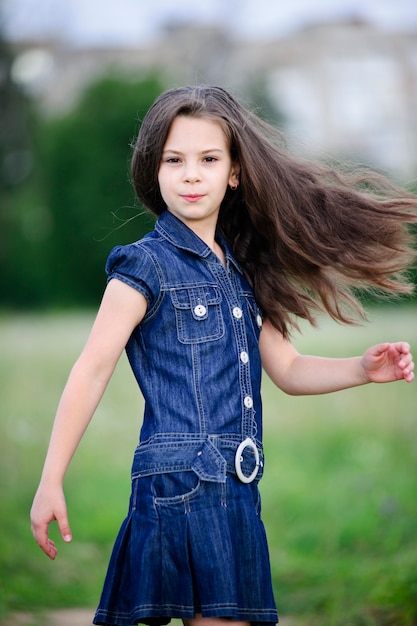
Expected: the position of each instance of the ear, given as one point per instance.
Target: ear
(234, 175)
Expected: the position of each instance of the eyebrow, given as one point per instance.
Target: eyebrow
(208, 151)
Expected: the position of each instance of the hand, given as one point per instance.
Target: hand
(46, 508)
(388, 362)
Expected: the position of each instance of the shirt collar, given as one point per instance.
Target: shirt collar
(175, 231)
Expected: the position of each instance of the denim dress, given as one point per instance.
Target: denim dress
(193, 540)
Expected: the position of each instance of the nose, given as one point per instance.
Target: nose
(192, 173)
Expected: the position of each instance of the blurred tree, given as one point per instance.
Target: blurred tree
(84, 169)
(14, 117)
(16, 160)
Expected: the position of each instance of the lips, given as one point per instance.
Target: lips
(194, 197)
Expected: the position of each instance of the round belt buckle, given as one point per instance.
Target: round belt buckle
(247, 443)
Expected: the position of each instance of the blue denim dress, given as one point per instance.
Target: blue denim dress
(193, 540)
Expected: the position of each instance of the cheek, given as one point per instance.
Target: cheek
(163, 182)
(166, 187)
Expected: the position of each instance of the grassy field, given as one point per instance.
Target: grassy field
(339, 494)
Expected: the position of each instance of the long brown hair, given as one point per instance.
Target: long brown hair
(307, 235)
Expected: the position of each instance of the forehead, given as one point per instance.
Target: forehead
(196, 132)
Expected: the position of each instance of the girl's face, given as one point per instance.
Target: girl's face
(195, 170)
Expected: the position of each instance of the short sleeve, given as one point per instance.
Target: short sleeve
(133, 266)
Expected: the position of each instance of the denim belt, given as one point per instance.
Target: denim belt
(210, 456)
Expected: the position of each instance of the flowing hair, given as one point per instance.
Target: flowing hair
(308, 236)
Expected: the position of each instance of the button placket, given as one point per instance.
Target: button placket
(248, 414)
(237, 316)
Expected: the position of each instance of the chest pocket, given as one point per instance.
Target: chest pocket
(198, 313)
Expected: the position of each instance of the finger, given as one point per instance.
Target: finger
(406, 362)
(50, 549)
(64, 528)
(402, 347)
(40, 534)
(380, 349)
(408, 371)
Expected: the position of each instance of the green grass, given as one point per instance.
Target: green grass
(339, 494)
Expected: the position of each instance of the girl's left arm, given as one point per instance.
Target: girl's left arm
(297, 374)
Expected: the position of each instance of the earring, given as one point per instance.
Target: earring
(233, 187)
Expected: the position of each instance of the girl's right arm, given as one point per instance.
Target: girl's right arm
(121, 310)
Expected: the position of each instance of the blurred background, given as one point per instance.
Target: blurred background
(339, 78)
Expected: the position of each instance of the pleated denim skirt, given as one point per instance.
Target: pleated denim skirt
(189, 547)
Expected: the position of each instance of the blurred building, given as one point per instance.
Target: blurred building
(350, 89)
(346, 89)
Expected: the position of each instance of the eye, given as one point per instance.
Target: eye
(210, 159)
(172, 160)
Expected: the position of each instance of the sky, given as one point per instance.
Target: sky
(101, 22)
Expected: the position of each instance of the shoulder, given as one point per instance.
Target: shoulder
(133, 253)
(136, 265)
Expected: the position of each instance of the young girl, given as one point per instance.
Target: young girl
(247, 240)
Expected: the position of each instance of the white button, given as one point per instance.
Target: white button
(200, 310)
(244, 357)
(237, 312)
(259, 320)
(248, 402)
